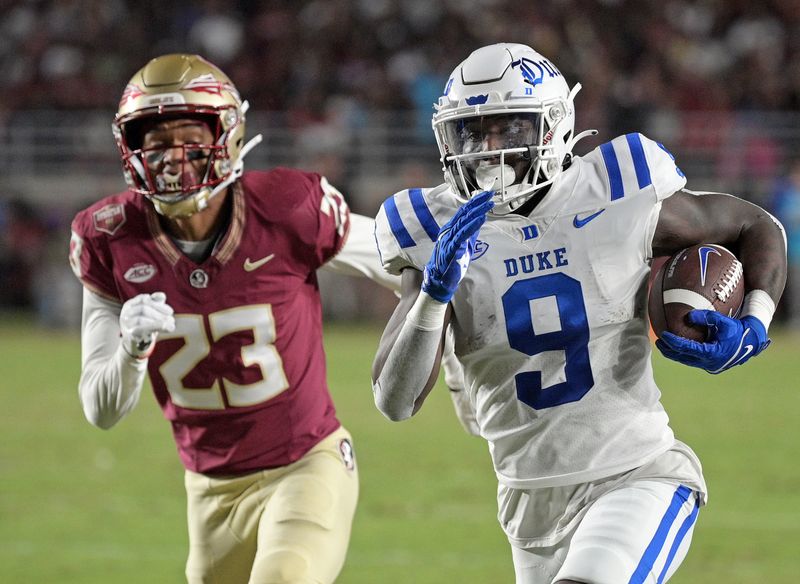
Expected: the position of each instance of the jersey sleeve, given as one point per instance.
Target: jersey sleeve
(634, 163)
(405, 230)
(320, 217)
(90, 257)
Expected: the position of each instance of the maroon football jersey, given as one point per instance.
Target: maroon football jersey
(242, 378)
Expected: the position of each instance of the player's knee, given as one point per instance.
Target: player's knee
(281, 566)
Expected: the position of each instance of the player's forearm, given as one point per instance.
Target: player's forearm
(111, 380)
(762, 251)
(412, 364)
(110, 390)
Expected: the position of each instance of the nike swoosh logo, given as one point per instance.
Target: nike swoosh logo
(578, 223)
(704, 253)
(747, 350)
(249, 266)
(737, 358)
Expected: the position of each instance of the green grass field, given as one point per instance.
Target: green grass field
(81, 505)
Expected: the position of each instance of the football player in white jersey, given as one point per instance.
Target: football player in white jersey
(539, 260)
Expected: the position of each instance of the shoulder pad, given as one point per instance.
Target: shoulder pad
(408, 224)
(633, 163)
(107, 217)
(92, 230)
(279, 191)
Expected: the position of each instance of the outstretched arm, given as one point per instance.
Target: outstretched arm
(359, 255)
(758, 240)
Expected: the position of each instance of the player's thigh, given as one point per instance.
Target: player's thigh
(223, 520)
(638, 533)
(304, 530)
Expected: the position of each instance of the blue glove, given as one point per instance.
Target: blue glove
(454, 247)
(732, 341)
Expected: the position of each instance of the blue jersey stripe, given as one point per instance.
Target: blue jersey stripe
(639, 160)
(684, 529)
(612, 166)
(657, 543)
(423, 213)
(396, 223)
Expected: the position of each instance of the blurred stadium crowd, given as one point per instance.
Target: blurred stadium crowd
(717, 79)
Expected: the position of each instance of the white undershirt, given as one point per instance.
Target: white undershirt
(195, 250)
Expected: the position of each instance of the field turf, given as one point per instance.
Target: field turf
(80, 505)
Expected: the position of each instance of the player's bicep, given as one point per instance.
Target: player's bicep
(687, 219)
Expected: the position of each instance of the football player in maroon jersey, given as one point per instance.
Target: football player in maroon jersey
(203, 277)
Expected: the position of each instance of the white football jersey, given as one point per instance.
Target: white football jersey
(550, 319)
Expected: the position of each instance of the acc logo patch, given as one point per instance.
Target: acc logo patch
(347, 454)
(109, 219)
(139, 273)
(480, 249)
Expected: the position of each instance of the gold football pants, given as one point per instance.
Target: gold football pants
(284, 525)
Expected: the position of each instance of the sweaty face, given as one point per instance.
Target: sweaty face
(484, 134)
(177, 155)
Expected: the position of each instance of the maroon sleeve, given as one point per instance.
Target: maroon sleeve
(90, 258)
(314, 213)
(325, 213)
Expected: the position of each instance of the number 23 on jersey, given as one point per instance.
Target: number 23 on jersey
(197, 346)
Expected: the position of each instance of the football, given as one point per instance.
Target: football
(704, 276)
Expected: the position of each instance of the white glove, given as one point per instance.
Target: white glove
(141, 319)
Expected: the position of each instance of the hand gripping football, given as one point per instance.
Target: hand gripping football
(704, 276)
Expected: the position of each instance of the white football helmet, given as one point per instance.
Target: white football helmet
(182, 86)
(505, 123)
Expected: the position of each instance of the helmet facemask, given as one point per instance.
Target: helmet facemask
(171, 175)
(512, 153)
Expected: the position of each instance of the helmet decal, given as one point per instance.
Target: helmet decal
(208, 84)
(526, 68)
(535, 78)
(448, 86)
(477, 99)
(132, 91)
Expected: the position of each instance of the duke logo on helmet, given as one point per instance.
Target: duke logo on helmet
(526, 68)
